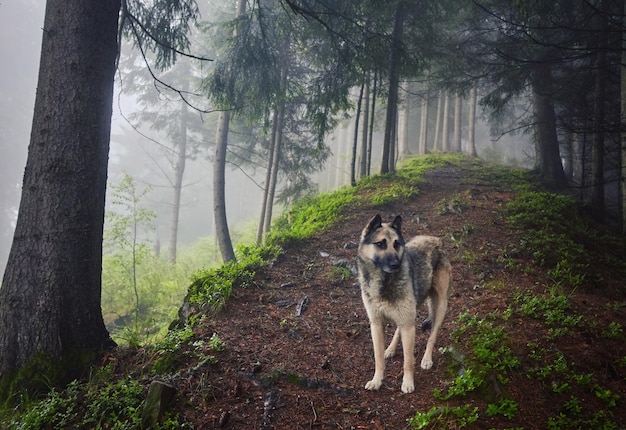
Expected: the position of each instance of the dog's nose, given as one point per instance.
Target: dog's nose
(393, 263)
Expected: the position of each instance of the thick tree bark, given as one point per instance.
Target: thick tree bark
(597, 152)
(623, 122)
(547, 142)
(50, 295)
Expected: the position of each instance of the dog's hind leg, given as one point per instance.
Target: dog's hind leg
(439, 306)
(391, 349)
(408, 345)
(378, 339)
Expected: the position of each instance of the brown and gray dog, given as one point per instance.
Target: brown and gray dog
(395, 278)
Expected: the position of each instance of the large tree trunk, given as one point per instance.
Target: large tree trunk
(597, 152)
(623, 122)
(388, 162)
(179, 172)
(219, 185)
(547, 143)
(50, 295)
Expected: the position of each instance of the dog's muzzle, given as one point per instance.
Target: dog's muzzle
(389, 263)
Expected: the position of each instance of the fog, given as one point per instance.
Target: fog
(138, 155)
(144, 155)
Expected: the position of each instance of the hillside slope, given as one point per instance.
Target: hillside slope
(533, 337)
(285, 366)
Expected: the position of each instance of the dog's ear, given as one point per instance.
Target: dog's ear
(375, 222)
(397, 223)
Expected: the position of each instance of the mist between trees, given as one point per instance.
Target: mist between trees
(228, 116)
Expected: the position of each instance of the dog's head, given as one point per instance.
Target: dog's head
(383, 244)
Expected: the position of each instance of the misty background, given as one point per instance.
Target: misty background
(143, 153)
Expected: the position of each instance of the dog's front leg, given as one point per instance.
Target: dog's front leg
(378, 339)
(408, 345)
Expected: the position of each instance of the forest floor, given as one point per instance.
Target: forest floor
(286, 366)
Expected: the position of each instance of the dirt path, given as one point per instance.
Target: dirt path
(279, 370)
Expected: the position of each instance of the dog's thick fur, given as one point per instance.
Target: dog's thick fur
(396, 277)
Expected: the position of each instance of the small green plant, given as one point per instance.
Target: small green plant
(444, 417)
(211, 288)
(462, 385)
(504, 407)
(452, 205)
(216, 343)
(614, 331)
(606, 395)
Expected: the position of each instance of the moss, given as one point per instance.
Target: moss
(43, 372)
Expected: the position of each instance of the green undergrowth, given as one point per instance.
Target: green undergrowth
(317, 213)
(211, 288)
(483, 360)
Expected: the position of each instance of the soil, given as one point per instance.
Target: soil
(297, 347)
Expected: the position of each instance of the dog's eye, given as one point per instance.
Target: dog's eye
(381, 244)
(396, 245)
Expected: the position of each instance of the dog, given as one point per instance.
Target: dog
(395, 278)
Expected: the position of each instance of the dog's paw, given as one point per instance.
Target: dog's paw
(408, 386)
(389, 353)
(373, 385)
(427, 363)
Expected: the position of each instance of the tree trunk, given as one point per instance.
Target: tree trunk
(275, 164)
(547, 143)
(388, 162)
(458, 114)
(445, 128)
(423, 137)
(366, 119)
(371, 131)
(471, 131)
(219, 193)
(438, 120)
(623, 122)
(178, 180)
(597, 152)
(356, 136)
(403, 138)
(222, 234)
(50, 295)
(268, 178)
